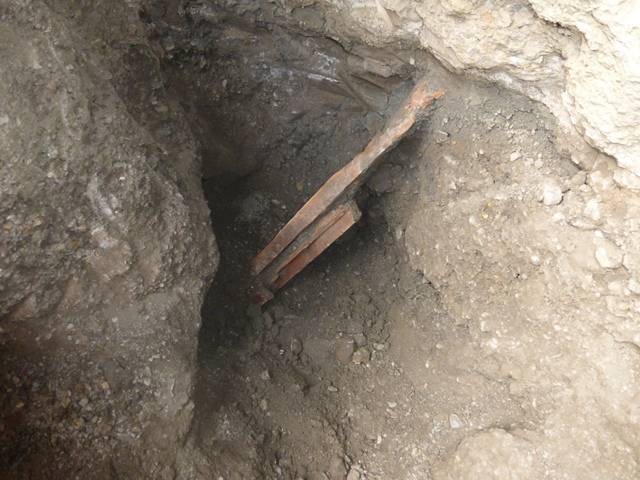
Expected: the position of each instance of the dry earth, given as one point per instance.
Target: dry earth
(479, 322)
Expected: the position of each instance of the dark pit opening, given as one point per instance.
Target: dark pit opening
(346, 373)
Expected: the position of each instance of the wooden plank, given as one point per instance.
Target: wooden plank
(310, 252)
(349, 177)
(306, 238)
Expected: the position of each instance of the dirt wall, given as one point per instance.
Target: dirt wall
(532, 245)
(105, 251)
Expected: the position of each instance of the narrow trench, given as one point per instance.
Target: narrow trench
(278, 378)
(345, 373)
(306, 344)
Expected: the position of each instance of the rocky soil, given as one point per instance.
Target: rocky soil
(479, 322)
(106, 248)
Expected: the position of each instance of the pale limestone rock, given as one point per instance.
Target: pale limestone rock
(603, 73)
(579, 58)
(552, 194)
(592, 210)
(494, 454)
(608, 254)
(634, 286)
(627, 179)
(632, 262)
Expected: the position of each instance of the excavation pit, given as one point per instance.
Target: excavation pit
(356, 367)
(478, 321)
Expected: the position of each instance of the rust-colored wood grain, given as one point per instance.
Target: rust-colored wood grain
(329, 211)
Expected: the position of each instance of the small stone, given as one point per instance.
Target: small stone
(616, 288)
(161, 108)
(332, 389)
(361, 355)
(360, 339)
(355, 474)
(268, 320)
(379, 346)
(84, 402)
(263, 405)
(552, 194)
(634, 286)
(337, 468)
(592, 210)
(441, 136)
(600, 181)
(296, 346)
(344, 349)
(559, 218)
(265, 375)
(4, 119)
(454, 421)
(514, 156)
(631, 261)
(579, 178)
(608, 254)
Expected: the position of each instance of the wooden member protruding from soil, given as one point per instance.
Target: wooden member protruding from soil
(331, 211)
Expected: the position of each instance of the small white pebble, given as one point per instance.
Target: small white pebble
(454, 421)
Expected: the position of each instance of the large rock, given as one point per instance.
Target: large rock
(105, 249)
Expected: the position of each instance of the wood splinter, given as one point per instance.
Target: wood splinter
(331, 211)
